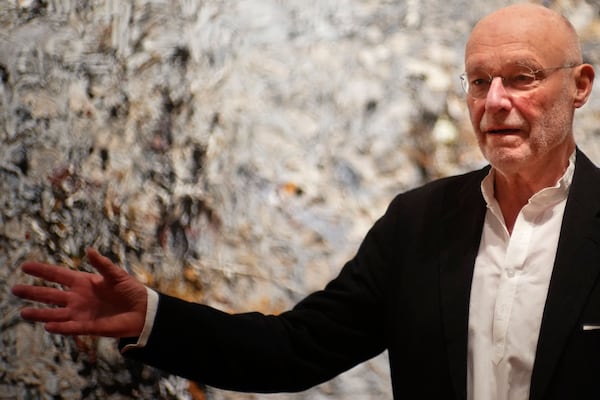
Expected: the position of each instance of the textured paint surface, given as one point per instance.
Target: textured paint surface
(229, 152)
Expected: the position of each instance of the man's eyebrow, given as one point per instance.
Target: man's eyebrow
(534, 65)
(526, 63)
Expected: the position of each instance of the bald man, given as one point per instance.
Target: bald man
(480, 286)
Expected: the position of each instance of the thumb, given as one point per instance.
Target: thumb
(104, 266)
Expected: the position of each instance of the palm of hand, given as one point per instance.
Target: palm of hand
(110, 304)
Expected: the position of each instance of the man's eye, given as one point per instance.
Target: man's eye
(522, 80)
(478, 82)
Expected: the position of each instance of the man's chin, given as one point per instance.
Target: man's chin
(507, 159)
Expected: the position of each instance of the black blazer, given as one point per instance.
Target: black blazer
(406, 290)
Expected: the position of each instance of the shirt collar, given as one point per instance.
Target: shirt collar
(545, 197)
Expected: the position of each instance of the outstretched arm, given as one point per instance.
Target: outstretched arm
(111, 304)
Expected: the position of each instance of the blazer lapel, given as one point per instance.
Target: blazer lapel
(461, 234)
(576, 270)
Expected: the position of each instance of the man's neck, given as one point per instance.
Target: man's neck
(513, 190)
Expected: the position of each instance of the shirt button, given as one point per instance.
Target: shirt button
(510, 273)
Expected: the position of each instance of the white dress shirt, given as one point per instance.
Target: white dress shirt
(151, 307)
(508, 292)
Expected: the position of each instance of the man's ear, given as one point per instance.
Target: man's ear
(584, 80)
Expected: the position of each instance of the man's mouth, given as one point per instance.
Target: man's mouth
(503, 131)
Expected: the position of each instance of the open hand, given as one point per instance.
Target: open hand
(111, 304)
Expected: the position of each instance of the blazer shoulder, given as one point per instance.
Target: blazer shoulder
(435, 200)
(457, 188)
(585, 168)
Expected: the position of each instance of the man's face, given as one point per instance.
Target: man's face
(519, 129)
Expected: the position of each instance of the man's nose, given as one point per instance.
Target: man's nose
(498, 97)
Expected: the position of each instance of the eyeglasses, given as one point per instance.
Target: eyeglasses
(517, 78)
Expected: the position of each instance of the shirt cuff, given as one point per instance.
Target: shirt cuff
(151, 307)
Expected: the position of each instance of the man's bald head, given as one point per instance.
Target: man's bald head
(532, 24)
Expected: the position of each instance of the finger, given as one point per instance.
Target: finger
(104, 266)
(41, 294)
(52, 273)
(66, 328)
(45, 314)
(74, 328)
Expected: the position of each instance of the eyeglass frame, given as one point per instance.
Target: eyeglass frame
(466, 84)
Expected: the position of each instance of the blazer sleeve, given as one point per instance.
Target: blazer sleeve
(328, 332)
